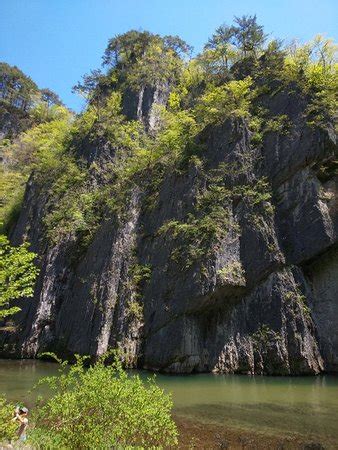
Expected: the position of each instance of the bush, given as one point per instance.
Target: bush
(103, 407)
(313, 67)
(177, 131)
(232, 273)
(17, 275)
(8, 428)
(12, 185)
(231, 99)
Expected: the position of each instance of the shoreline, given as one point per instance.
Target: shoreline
(180, 374)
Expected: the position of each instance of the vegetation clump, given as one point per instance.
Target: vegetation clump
(103, 407)
(17, 275)
(232, 273)
(300, 300)
(139, 275)
(203, 231)
(265, 335)
(8, 428)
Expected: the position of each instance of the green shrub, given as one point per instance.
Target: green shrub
(231, 99)
(8, 428)
(45, 147)
(313, 67)
(17, 275)
(103, 407)
(12, 186)
(139, 273)
(264, 335)
(73, 213)
(232, 273)
(298, 298)
(280, 124)
(178, 129)
(134, 310)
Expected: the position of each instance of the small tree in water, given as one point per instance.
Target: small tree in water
(103, 407)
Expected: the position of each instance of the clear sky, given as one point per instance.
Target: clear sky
(56, 41)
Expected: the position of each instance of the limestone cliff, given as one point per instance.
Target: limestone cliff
(263, 299)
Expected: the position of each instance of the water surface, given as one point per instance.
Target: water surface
(282, 406)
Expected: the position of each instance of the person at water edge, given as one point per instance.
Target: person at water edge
(21, 414)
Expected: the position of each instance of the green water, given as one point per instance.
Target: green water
(283, 406)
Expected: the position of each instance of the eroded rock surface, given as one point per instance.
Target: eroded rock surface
(263, 299)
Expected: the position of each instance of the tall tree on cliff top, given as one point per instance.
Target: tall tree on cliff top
(50, 97)
(14, 83)
(249, 36)
(229, 45)
(142, 58)
(219, 53)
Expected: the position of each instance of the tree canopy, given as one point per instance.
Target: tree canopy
(136, 59)
(13, 78)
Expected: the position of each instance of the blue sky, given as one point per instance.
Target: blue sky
(57, 41)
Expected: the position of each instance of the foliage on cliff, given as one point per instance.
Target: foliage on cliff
(22, 103)
(230, 79)
(15, 84)
(17, 275)
(26, 113)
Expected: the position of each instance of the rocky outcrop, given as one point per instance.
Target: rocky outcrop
(323, 295)
(141, 104)
(261, 299)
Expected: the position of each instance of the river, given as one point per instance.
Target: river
(284, 409)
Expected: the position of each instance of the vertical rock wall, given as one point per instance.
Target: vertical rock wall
(261, 300)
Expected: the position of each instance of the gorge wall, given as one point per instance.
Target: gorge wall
(263, 299)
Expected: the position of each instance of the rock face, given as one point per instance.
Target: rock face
(261, 300)
(141, 105)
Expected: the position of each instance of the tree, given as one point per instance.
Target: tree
(17, 275)
(324, 52)
(124, 49)
(13, 78)
(224, 35)
(93, 85)
(16, 87)
(143, 58)
(271, 62)
(233, 47)
(103, 407)
(177, 45)
(219, 52)
(249, 36)
(313, 67)
(50, 97)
